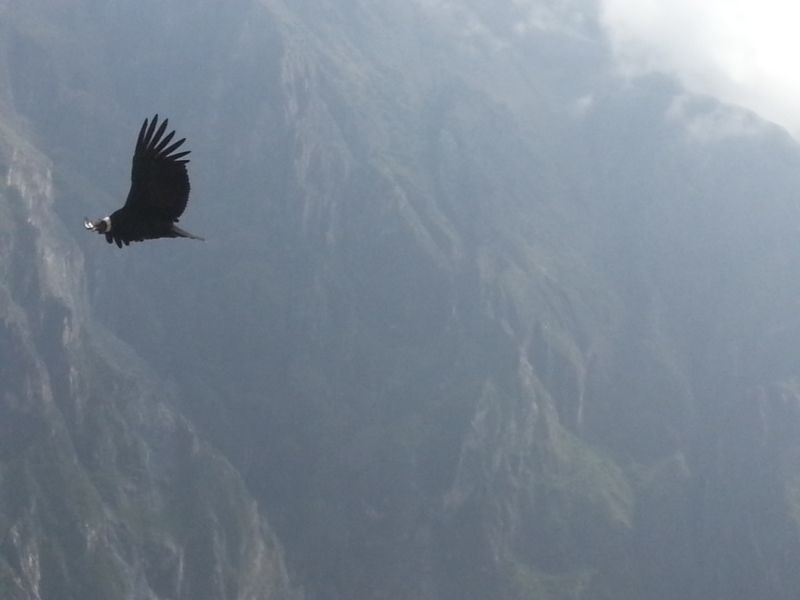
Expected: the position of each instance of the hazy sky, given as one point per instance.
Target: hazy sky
(742, 51)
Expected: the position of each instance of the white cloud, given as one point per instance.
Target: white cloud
(563, 16)
(741, 51)
(582, 106)
(713, 124)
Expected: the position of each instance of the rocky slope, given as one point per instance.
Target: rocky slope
(107, 491)
(476, 318)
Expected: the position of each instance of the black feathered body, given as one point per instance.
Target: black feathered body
(129, 225)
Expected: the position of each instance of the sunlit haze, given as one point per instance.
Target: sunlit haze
(741, 51)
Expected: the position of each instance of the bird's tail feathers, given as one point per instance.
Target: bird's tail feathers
(183, 233)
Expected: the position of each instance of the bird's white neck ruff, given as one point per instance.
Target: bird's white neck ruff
(107, 221)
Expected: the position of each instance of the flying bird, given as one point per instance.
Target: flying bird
(159, 191)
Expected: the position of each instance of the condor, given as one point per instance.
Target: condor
(159, 191)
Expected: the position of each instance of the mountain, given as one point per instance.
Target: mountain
(477, 317)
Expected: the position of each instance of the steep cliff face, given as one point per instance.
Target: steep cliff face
(475, 317)
(107, 491)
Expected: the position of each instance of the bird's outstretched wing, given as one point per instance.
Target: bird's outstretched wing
(159, 181)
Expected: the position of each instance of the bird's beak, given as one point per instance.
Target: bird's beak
(88, 224)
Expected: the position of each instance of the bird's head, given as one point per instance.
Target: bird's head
(100, 225)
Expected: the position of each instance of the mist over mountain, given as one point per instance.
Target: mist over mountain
(476, 317)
